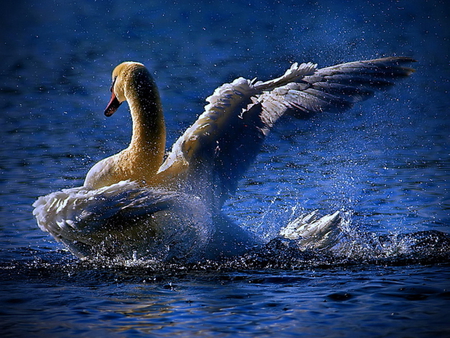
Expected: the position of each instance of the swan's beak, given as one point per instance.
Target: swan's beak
(112, 106)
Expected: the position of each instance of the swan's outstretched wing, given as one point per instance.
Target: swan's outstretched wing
(226, 138)
(338, 87)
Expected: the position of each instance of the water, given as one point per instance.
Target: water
(386, 162)
(374, 302)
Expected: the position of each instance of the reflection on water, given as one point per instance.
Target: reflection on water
(386, 161)
(135, 302)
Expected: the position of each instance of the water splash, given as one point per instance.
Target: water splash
(331, 240)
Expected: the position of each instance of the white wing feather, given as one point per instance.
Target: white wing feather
(220, 146)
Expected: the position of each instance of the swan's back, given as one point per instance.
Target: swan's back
(125, 220)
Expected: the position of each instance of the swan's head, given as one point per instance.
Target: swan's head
(123, 80)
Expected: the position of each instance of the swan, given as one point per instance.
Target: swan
(143, 204)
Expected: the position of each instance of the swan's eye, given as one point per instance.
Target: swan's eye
(112, 85)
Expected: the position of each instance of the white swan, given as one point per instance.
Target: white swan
(136, 204)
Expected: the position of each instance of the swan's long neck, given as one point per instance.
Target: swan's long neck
(146, 150)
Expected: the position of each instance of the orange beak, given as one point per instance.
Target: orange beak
(112, 106)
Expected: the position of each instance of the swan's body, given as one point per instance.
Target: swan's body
(136, 204)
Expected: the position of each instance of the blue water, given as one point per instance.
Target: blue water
(386, 163)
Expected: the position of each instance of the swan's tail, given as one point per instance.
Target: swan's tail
(335, 234)
(312, 232)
